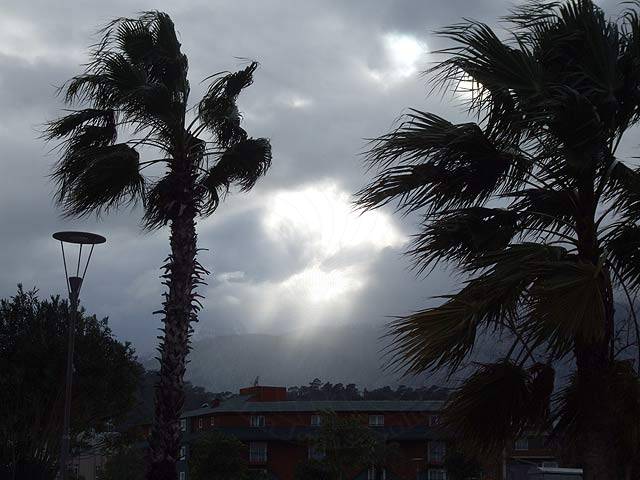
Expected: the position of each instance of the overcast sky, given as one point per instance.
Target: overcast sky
(292, 253)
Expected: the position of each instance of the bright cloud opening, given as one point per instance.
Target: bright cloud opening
(320, 286)
(325, 216)
(403, 54)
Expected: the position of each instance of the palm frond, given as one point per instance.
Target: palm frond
(489, 410)
(623, 191)
(566, 305)
(462, 234)
(623, 249)
(97, 179)
(439, 166)
(544, 209)
(242, 164)
(627, 93)
(498, 76)
(162, 204)
(540, 385)
(70, 124)
(218, 110)
(444, 336)
(607, 399)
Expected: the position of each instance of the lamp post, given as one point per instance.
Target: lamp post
(74, 284)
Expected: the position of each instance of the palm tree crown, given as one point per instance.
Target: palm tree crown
(532, 205)
(136, 85)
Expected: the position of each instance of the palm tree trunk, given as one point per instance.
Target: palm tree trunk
(181, 277)
(593, 359)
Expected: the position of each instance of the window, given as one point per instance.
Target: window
(212, 421)
(316, 420)
(316, 453)
(437, 474)
(521, 444)
(183, 424)
(434, 420)
(257, 421)
(257, 452)
(182, 476)
(437, 451)
(183, 452)
(200, 423)
(374, 474)
(376, 420)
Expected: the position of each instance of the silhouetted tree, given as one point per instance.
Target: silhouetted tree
(136, 85)
(33, 352)
(533, 205)
(346, 442)
(313, 470)
(461, 467)
(126, 462)
(215, 456)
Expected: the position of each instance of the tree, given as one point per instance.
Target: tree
(127, 462)
(347, 444)
(537, 212)
(313, 470)
(33, 346)
(135, 91)
(215, 456)
(460, 467)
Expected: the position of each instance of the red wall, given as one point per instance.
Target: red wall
(303, 419)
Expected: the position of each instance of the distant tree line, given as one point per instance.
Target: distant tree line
(142, 412)
(316, 390)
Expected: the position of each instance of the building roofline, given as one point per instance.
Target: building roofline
(242, 405)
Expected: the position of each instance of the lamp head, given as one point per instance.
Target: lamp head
(74, 282)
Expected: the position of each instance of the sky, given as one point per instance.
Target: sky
(292, 254)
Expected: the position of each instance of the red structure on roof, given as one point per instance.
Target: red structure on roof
(265, 394)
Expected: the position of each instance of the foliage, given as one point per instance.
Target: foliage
(313, 470)
(316, 390)
(142, 412)
(460, 467)
(33, 352)
(125, 463)
(346, 442)
(215, 456)
(534, 208)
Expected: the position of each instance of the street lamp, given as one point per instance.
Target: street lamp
(74, 284)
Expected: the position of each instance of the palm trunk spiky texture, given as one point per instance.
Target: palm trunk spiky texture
(537, 212)
(136, 84)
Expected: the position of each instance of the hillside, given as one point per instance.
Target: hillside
(338, 354)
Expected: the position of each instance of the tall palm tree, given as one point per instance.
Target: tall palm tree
(532, 205)
(134, 95)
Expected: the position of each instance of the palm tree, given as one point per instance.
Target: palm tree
(134, 95)
(533, 207)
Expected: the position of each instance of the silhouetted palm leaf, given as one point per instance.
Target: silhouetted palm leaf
(242, 164)
(623, 246)
(489, 409)
(566, 305)
(462, 234)
(98, 179)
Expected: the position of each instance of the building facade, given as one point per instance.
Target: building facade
(277, 432)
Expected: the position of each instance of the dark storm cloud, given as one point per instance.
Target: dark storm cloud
(316, 96)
